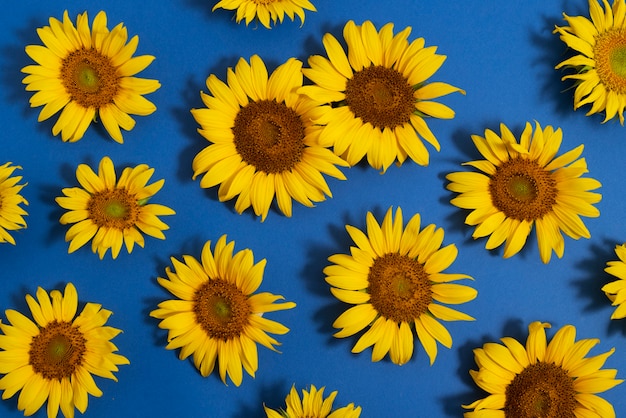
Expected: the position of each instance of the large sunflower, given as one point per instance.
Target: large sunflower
(313, 404)
(524, 184)
(394, 278)
(217, 316)
(616, 290)
(112, 212)
(542, 380)
(11, 213)
(374, 99)
(55, 357)
(88, 73)
(263, 140)
(266, 10)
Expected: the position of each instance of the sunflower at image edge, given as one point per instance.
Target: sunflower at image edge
(542, 379)
(217, 316)
(111, 212)
(55, 357)
(11, 213)
(525, 184)
(263, 141)
(374, 100)
(313, 404)
(266, 10)
(616, 290)
(394, 277)
(88, 74)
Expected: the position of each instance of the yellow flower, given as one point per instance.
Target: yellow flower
(86, 74)
(217, 317)
(616, 290)
(11, 213)
(599, 65)
(55, 357)
(394, 278)
(541, 379)
(374, 99)
(263, 143)
(110, 212)
(524, 184)
(265, 10)
(313, 404)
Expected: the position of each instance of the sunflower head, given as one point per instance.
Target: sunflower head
(11, 212)
(312, 404)
(268, 12)
(616, 290)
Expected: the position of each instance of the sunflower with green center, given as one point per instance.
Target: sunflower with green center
(394, 277)
(374, 100)
(11, 213)
(313, 404)
(263, 141)
(524, 184)
(53, 358)
(266, 10)
(549, 380)
(88, 73)
(616, 290)
(112, 212)
(217, 316)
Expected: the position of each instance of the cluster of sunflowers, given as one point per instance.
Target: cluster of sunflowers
(272, 139)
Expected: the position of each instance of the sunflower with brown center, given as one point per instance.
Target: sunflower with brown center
(616, 290)
(395, 279)
(11, 213)
(313, 404)
(263, 140)
(525, 184)
(374, 100)
(88, 73)
(218, 317)
(546, 380)
(266, 10)
(55, 357)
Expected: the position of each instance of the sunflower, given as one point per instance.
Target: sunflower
(110, 212)
(616, 290)
(263, 143)
(394, 278)
(11, 213)
(217, 316)
(542, 379)
(313, 404)
(55, 357)
(374, 100)
(88, 73)
(265, 10)
(524, 184)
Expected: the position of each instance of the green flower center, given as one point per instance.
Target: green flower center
(57, 351)
(221, 309)
(610, 59)
(618, 60)
(115, 208)
(522, 188)
(89, 78)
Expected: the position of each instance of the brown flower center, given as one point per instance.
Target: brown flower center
(522, 189)
(269, 136)
(57, 351)
(399, 287)
(541, 390)
(114, 208)
(381, 96)
(221, 309)
(90, 78)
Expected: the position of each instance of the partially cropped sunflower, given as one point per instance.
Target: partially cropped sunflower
(394, 277)
(263, 141)
(543, 379)
(525, 184)
(374, 100)
(217, 316)
(55, 357)
(313, 404)
(88, 73)
(110, 211)
(11, 213)
(266, 10)
(616, 290)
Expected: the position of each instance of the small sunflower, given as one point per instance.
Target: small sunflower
(313, 404)
(616, 290)
(85, 73)
(217, 316)
(263, 141)
(394, 278)
(543, 379)
(524, 184)
(11, 213)
(374, 100)
(112, 212)
(266, 10)
(55, 357)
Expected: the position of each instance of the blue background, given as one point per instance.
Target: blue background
(502, 53)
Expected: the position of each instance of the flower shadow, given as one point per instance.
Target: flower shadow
(272, 395)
